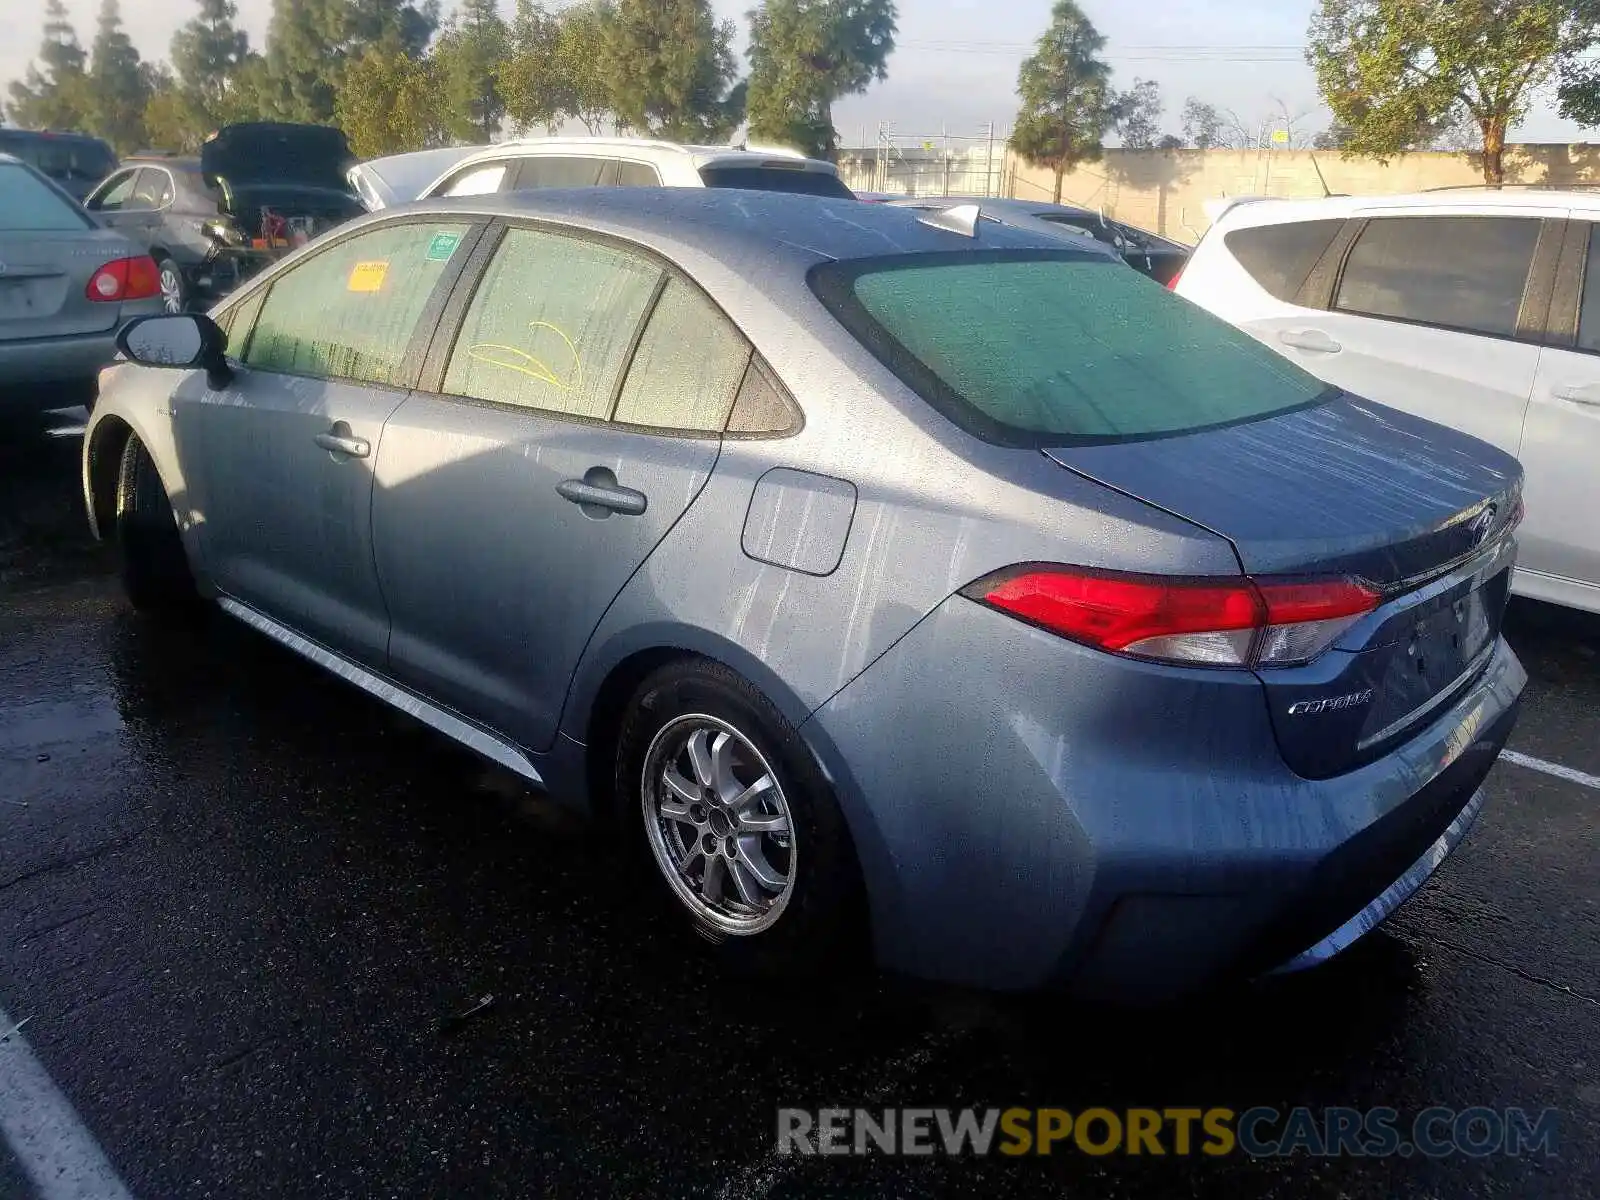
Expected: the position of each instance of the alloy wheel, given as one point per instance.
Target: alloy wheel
(171, 290)
(718, 824)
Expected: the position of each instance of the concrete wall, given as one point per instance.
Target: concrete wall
(1165, 190)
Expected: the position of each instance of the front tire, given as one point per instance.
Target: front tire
(154, 566)
(738, 823)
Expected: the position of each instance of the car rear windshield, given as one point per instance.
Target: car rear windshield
(777, 179)
(68, 159)
(1056, 348)
(30, 205)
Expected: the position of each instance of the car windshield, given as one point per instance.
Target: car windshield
(1056, 348)
(777, 179)
(30, 205)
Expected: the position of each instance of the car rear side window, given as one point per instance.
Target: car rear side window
(776, 179)
(1055, 348)
(475, 181)
(1465, 273)
(551, 324)
(552, 171)
(30, 205)
(1589, 317)
(687, 369)
(349, 312)
(633, 174)
(1280, 257)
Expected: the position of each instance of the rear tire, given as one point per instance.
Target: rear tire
(175, 291)
(784, 894)
(155, 567)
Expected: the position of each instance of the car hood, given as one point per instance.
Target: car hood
(263, 152)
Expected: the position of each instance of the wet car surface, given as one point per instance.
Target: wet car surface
(246, 910)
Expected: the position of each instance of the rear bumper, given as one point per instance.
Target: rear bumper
(1049, 816)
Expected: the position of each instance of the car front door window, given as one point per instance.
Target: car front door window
(476, 181)
(116, 193)
(349, 312)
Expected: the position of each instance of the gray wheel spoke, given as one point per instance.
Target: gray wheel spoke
(711, 883)
(753, 860)
(745, 883)
(759, 787)
(683, 795)
(699, 748)
(723, 781)
(691, 851)
(763, 823)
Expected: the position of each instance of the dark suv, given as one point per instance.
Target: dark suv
(256, 191)
(73, 161)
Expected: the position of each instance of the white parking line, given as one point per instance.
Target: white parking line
(1550, 768)
(50, 1142)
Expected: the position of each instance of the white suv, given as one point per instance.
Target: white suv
(529, 163)
(1476, 309)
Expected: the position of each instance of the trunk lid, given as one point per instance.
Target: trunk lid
(1348, 488)
(43, 277)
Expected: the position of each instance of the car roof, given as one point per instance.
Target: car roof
(698, 156)
(999, 204)
(1256, 210)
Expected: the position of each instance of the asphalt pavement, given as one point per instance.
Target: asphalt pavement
(252, 919)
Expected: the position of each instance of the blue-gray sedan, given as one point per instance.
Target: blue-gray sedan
(892, 580)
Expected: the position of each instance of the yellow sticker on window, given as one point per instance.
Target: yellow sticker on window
(367, 276)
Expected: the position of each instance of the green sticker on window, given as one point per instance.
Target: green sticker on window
(443, 246)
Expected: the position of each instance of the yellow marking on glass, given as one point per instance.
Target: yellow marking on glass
(512, 358)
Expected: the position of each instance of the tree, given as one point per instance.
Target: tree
(587, 92)
(1138, 113)
(390, 102)
(529, 77)
(1067, 104)
(309, 43)
(118, 88)
(54, 94)
(208, 53)
(1398, 71)
(804, 55)
(466, 61)
(1203, 124)
(671, 65)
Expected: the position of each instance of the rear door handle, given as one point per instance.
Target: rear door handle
(600, 497)
(1586, 394)
(336, 443)
(1313, 340)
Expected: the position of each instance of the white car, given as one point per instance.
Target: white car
(400, 178)
(1477, 309)
(525, 164)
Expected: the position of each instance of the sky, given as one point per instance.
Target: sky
(954, 68)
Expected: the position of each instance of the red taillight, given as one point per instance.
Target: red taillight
(1232, 622)
(125, 279)
(1172, 284)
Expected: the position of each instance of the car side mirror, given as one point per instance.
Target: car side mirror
(183, 340)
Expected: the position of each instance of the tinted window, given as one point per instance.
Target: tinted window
(761, 407)
(552, 172)
(1035, 347)
(1589, 318)
(118, 194)
(1456, 272)
(687, 368)
(475, 181)
(1280, 257)
(631, 174)
(776, 179)
(28, 204)
(66, 159)
(349, 311)
(551, 324)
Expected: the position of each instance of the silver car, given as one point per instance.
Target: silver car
(890, 581)
(66, 285)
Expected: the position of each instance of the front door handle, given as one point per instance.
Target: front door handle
(599, 495)
(1313, 340)
(343, 443)
(1586, 394)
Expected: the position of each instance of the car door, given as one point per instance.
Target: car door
(516, 498)
(1561, 443)
(285, 452)
(1430, 314)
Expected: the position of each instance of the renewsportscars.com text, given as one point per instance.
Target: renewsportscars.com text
(1214, 1132)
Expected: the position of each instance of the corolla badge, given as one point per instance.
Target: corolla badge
(1307, 708)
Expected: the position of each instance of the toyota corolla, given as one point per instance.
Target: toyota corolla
(895, 581)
